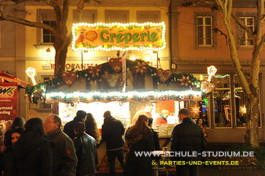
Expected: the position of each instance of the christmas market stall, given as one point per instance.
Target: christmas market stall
(125, 87)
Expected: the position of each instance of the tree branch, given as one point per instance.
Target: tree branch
(26, 22)
(242, 25)
(65, 11)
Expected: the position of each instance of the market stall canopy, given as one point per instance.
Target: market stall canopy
(105, 83)
(6, 77)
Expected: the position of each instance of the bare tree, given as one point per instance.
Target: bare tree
(250, 86)
(61, 33)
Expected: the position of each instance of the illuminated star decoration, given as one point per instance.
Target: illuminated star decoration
(185, 81)
(195, 110)
(243, 110)
(140, 67)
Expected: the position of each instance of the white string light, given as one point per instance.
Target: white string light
(152, 95)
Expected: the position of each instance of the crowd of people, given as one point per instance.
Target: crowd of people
(37, 148)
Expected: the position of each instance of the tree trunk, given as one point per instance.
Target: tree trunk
(60, 58)
(252, 120)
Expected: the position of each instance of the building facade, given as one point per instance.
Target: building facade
(200, 41)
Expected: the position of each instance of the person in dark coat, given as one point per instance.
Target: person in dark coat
(69, 127)
(187, 137)
(139, 138)
(112, 132)
(92, 128)
(63, 150)
(86, 151)
(32, 152)
(8, 155)
(155, 134)
(18, 122)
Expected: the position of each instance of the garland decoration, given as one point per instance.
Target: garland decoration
(69, 77)
(179, 81)
(163, 75)
(115, 64)
(140, 67)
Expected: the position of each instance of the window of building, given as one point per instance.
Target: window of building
(47, 36)
(87, 16)
(148, 16)
(46, 16)
(117, 16)
(244, 38)
(204, 31)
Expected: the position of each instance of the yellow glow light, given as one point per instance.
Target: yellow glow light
(195, 110)
(91, 37)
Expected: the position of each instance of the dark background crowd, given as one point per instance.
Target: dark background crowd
(38, 148)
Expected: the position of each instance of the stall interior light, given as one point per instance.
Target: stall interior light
(76, 25)
(149, 95)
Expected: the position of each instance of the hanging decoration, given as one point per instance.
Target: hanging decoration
(140, 67)
(195, 111)
(31, 72)
(185, 81)
(115, 64)
(211, 72)
(94, 71)
(163, 75)
(207, 87)
(69, 77)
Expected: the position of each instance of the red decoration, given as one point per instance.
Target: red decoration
(68, 78)
(115, 64)
(140, 67)
(163, 75)
(94, 71)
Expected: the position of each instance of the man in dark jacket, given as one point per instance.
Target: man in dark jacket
(187, 137)
(112, 131)
(63, 151)
(69, 127)
(86, 151)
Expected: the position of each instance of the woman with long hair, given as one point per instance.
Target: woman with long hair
(32, 152)
(92, 128)
(139, 138)
(8, 154)
(18, 122)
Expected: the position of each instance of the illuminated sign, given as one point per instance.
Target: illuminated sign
(119, 36)
(7, 91)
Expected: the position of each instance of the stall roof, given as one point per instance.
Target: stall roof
(10, 78)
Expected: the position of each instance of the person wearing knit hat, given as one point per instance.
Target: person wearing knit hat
(69, 127)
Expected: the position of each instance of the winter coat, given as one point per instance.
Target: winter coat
(69, 128)
(86, 151)
(140, 166)
(7, 160)
(187, 137)
(112, 131)
(63, 153)
(32, 156)
(156, 140)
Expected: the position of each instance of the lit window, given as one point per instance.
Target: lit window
(244, 38)
(47, 36)
(204, 31)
